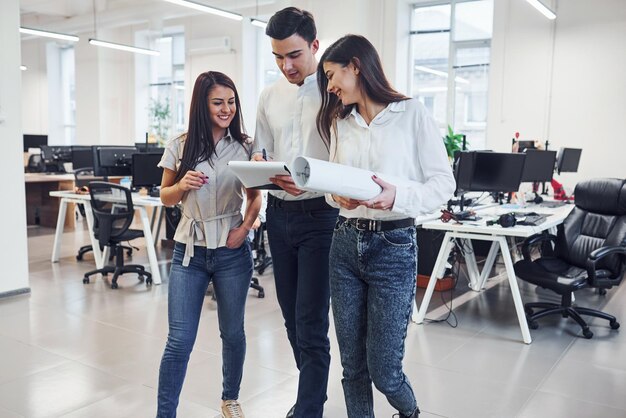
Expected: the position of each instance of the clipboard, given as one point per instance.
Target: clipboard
(256, 174)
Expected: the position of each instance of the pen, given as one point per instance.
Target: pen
(264, 154)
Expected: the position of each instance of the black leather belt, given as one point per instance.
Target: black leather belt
(363, 224)
(305, 205)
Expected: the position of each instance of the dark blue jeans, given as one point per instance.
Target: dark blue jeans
(299, 240)
(372, 279)
(230, 270)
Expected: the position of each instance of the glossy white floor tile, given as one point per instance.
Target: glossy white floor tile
(87, 351)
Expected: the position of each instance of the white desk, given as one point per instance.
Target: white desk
(498, 236)
(140, 203)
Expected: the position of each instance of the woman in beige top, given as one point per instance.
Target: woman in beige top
(211, 244)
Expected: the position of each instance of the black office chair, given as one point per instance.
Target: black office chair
(589, 251)
(82, 178)
(113, 212)
(261, 259)
(35, 164)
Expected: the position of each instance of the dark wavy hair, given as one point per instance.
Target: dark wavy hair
(289, 21)
(356, 50)
(199, 144)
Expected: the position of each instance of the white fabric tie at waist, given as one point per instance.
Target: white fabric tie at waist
(195, 231)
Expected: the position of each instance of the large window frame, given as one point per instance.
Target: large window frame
(458, 111)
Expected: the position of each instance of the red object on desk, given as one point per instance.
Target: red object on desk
(559, 191)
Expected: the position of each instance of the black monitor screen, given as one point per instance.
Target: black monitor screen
(112, 160)
(480, 171)
(539, 166)
(568, 160)
(524, 145)
(82, 157)
(56, 153)
(34, 141)
(149, 147)
(145, 171)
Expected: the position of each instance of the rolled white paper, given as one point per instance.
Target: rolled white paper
(325, 177)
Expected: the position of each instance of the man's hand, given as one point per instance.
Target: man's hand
(236, 237)
(257, 156)
(286, 183)
(346, 202)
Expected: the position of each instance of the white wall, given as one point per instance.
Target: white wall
(34, 87)
(13, 250)
(562, 81)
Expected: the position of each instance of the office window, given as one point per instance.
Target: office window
(167, 88)
(68, 91)
(450, 43)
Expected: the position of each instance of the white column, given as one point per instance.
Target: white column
(13, 250)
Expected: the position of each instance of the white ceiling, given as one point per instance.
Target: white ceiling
(76, 16)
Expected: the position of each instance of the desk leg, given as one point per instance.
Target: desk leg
(159, 223)
(147, 232)
(517, 298)
(472, 266)
(58, 233)
(440, 264)
(99, 257)
(491, 258)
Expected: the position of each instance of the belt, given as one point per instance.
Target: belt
(305, 205)
(364, 224)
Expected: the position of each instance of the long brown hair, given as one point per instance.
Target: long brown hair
(199, 144)
(356, 50)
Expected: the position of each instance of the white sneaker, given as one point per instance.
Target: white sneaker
(231, 409)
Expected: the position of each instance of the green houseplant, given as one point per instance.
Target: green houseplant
(453, 142)
(160, 120)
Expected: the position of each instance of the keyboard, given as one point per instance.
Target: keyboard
(529, 218)
(552, 204)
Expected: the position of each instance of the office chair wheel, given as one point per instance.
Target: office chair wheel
(114, 286)
(261, 294)
(261, 270)
(614, 324)
(149, 281)
(140, 278)
(587, 333)
(86, 280)
(79, 257)
(533, 325)
(129, 253)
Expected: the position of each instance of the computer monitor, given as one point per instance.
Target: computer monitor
(524, 145)
(538, 166)
(480, 171)
(568, 160)
(34, 141)
(145, 171)
(54, 157)
(149, 147)
(82, 157)
(112, 160)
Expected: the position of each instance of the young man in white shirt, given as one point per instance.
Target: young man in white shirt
(299, 224)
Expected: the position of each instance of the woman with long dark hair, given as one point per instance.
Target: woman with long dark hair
(211, 244)
(373, 255)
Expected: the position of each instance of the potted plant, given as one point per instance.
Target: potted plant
(160, 115)
(453, 142)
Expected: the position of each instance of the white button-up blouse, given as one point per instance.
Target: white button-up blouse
(402, 140)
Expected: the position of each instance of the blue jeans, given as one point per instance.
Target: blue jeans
(372, 282)
(231, 271)
(299, 242)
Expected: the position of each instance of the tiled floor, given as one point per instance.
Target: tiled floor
(74, 350)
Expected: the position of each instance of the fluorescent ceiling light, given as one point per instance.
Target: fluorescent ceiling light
(543, 9)
(49, 34)
(440, 74)
(206, 9)
(23, 67)
(122, 47)
(259, 23)
(179, 87)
